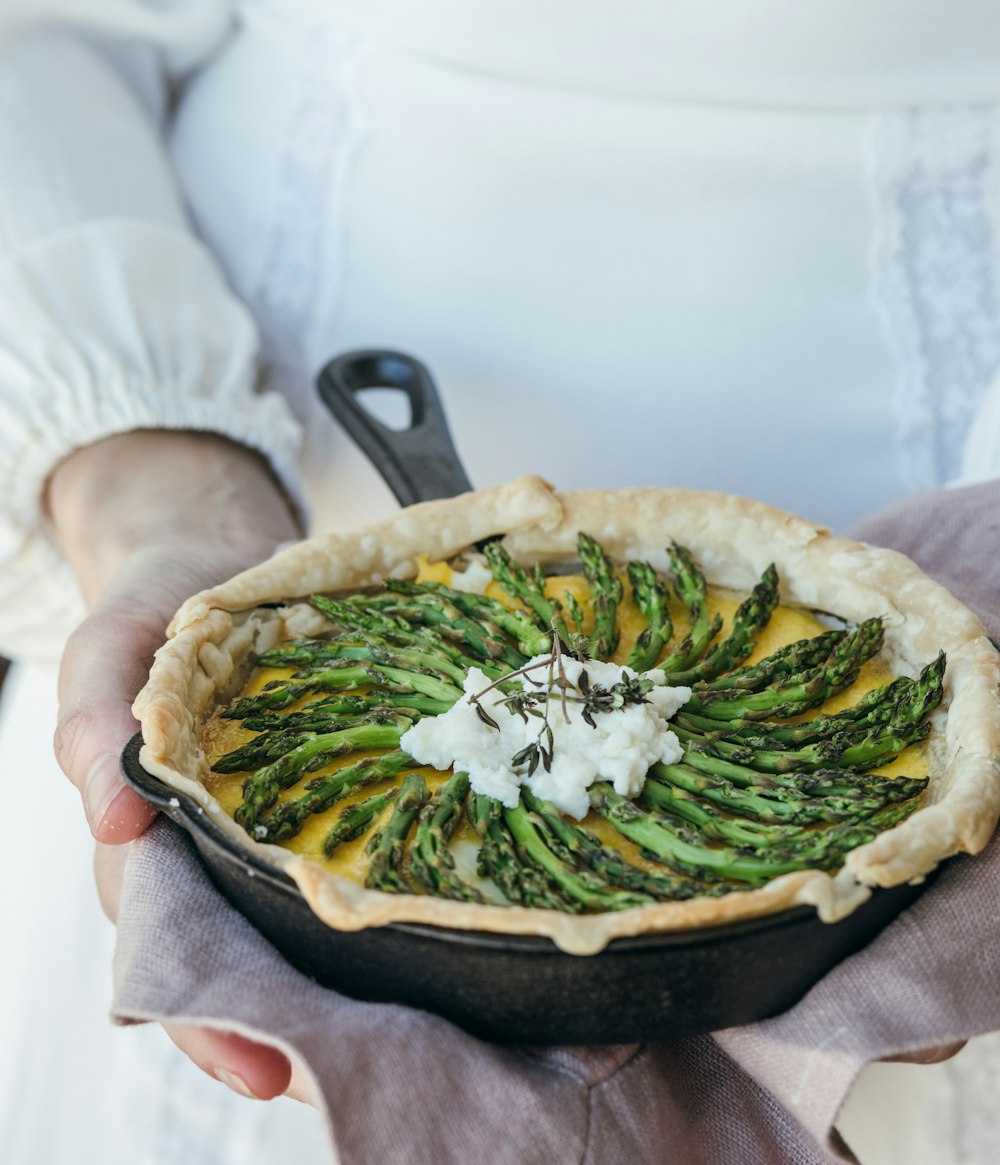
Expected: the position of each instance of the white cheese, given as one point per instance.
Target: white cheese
(619, 746)
(476, 577)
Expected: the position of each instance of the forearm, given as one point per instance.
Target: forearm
(113, 499)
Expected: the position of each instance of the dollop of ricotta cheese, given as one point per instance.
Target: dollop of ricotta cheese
(614, 744)
(474, 579)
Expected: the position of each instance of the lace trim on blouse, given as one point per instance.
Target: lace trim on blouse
(325, 132)
(936, 281)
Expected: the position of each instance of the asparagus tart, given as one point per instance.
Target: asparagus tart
(582, 715)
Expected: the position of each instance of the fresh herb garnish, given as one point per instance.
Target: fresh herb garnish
(525, 702)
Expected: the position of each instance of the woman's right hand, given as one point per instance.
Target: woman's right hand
(146, 519)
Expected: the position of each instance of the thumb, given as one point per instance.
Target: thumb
(105, 663)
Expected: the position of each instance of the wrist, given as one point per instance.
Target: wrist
(155, 488)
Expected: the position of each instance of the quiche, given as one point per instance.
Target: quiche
(583, 715)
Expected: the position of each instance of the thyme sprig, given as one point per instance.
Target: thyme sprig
(597, 698)
(535, 700)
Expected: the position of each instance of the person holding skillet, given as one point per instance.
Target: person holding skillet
(632, 249)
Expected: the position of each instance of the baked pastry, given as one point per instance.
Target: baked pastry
(732, 796)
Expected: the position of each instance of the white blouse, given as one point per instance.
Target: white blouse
(737, 244)
(749, 247)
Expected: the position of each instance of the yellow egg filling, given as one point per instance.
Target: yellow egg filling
(349, 859)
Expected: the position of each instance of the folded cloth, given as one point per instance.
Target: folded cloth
(399, 1085)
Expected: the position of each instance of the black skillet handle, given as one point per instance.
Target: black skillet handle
(418, 463)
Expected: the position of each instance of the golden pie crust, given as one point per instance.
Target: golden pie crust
(212, 638)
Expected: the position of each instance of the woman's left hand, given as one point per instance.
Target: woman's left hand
(147, 519)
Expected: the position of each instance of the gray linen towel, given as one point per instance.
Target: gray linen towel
(403, 1086)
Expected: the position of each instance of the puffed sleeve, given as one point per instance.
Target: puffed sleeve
(113, 316)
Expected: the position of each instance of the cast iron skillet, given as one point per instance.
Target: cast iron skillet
(509, 988)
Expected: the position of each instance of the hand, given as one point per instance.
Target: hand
(147, 519)
(251, 1069)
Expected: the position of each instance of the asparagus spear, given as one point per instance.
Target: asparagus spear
(830, 783)
(810, 690)
(689, 583)
(829, 847)
(652, 598)
(606, 595)
(498, 860)
(263, 749)
(748, 836)
(431, 861)
(356, 644)
(529, 588)
(277, 695)
(274, 743)
(261, 789)
(666, 844)
(790, 660)
(319, 714)
(286, 820)
(874, 708)
(582, 887)
(369, 619)
(769, 805)
(530, 641)
(280, 693)
(772, 734)
(712, 825)
(858, 751)
(382, 652)
(587, 849)
(823, 849)
(486, 639)
(794, 798)
(387, 846)
(305, 652)
(577, 615)
(355, 819)
(752, 615)
(917, 698)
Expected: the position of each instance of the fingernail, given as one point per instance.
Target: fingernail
(104, 783)
(236, 1083)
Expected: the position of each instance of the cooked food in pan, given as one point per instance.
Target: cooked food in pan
(636, 711)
